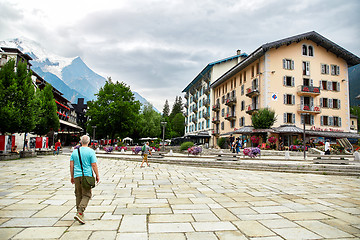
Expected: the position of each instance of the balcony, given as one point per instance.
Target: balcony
(206, 102)
(215, 120)
(195, 99)
(311, 109)
(194, 120)
(216, 133)
(206, 90)
(251, 108)
(252, 92)
(216, 107)
(230, 101)
(186, 105)
(308, 90)
(186, 114)
(187, 95)
(230, 116)
(195, 109)
(206, 115)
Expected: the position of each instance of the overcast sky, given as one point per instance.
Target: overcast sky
(159, 46)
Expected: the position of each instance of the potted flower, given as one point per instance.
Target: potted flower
(108, 149)
(194, 150)
(136, 149)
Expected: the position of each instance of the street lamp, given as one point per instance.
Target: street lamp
(163, 124)
(304, 144)
(94, 127)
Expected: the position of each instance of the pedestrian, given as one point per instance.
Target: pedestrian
(86, 167)
(238, 145)
(57, 147)
(232, 140)
(145, 152)
(26, 144)
(327, 147)
(281, 144)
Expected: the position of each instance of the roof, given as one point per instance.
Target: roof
(320, 40)
(17, 51)
(208, 67)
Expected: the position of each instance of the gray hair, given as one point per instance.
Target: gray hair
(85, 139)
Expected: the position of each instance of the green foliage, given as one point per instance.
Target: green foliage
(150, 122)
(178, 125)
(115, 111)
(17, 100)
(186, 145)
(166, 110)
(263, 119)
(46, 111)
(221, 142)
(177, 108)
(355, 110)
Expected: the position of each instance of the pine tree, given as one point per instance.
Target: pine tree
(166, 110)
(177, 107)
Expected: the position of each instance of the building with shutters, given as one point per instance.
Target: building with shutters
(303, 78)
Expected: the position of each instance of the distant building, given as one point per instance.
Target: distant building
(303, 78)
(198, 98)
(80, 110)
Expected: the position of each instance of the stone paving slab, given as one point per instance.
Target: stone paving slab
(176, 202)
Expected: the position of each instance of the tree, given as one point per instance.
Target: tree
(166, 110)
(263, 119)
(115, 111)
(150, 122)
(178, 125)
(47, 117)
(177, 107)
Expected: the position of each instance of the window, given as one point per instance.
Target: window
(289, 118)
(324, 121)
(306, 68)
(324, 102)
(223, 99)
(232, 124)
(244, 76)
(307, 82)
(337, 121)
(242, 90)
(336, 103)
(335, 70)
(289, 99)
(323, 85)
(252, 71)
(234, 82)
(242, 121)
(309, 119)
(240, 79)
(288, 64)
(242, 105)
(258, 68)
(223, 112)
(336, 86)
(311, 51)
(222, 126)
(289, 81)
(304, 50)
(324, 69)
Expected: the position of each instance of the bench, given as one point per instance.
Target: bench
(228, 156)
(332, 159)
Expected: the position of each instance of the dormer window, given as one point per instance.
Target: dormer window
(307, 50)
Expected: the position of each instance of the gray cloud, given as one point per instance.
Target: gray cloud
(158, 47)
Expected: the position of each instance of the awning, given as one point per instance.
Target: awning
(332, 134)
(288, 129)
(70, 124)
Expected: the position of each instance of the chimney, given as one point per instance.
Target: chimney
(238, 52)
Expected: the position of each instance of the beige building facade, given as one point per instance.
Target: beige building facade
(303, 78)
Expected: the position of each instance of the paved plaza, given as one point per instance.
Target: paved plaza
(175, 202)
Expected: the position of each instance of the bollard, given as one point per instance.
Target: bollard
(171, 152)
(357, 156)
(122, 150)
(287, 155)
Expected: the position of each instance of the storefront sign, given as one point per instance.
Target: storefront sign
(313, 128)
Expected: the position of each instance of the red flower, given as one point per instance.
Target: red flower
(316, 109)
(306, 89)
(306, 107)
(316, 90)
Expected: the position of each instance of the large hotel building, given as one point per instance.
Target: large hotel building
(303, 78)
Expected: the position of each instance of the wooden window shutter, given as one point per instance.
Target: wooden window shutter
(285, 118)
(293, 99)
(330, 103)
(339, 121)
(338, 86)
(337, 70)
(322, 120)
(323, 68)
(293, 118)
(339, 104)
(285, 102)
(284, 81)
(312, 119)
(292, 64)
(302, 119)
(311, 82)
(293, 81)
(321, 102)
(320, 85)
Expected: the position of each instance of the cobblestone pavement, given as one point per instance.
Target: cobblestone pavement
(175, 202)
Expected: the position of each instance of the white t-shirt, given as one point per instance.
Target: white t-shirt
(327, 146)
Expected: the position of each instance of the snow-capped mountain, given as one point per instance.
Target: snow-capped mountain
(71, 76)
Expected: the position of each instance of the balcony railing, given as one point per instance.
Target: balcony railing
(230, 101)
(230, 116)
(216, 107)
(216, 133)
(195, 109)
(312, 109)
(253, 91)
(186, 105)
(308, 90)
(187, 95)
(207, 90)
(215, 120)
(251, 108)
(195, 99)
(206, 115)
(194, 120)
(206, 102)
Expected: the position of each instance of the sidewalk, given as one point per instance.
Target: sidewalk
(175, 202)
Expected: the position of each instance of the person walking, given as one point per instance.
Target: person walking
(57, 147)
(327, 147)
(238, 145)
(86, 167)
(26, 144)
(145, 152)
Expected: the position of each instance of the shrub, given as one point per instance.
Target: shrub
(186, 145)
(221, 142)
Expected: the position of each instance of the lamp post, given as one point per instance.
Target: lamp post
(163, 124)
(304, 144)
(94, 127)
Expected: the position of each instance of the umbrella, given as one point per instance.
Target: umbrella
(245, 130)
(127, 139)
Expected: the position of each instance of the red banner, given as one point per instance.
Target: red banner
(2, 142)
(38, 142)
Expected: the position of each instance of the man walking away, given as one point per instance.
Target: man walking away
(145, 152)
(88, 160)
